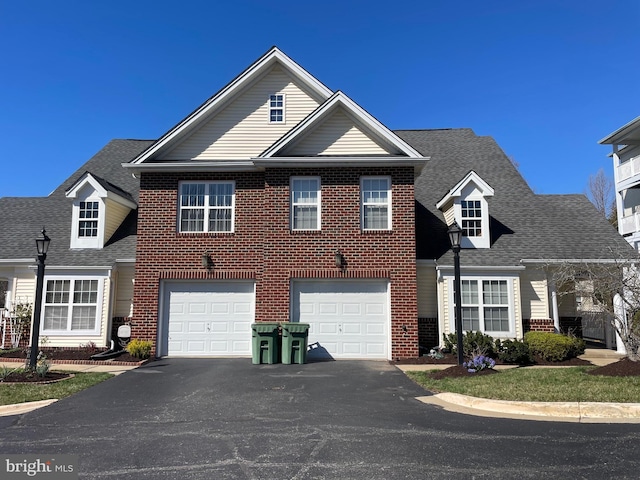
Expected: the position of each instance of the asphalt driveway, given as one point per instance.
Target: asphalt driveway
(228, 419)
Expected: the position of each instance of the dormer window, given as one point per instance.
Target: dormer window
(99, 208)
(466, 204)
(471, 215)
(276, 108)
(88, 219)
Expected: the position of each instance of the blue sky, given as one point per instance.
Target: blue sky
(546, 79)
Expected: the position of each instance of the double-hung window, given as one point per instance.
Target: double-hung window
(71, 306)
(471, 218)
(375, 203)
(206, 207)
(305, 203)
(486, 305)
(276, 108)
(88, 215)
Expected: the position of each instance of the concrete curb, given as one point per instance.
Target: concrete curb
(20, 408)
(578, 411)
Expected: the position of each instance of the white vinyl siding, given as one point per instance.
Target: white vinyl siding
(305, 203)
(535, 297)
(337, 135)
(375, 203)
(124, 292)
(427, 292)
(206, 207)
(241, 129)
(115, 213)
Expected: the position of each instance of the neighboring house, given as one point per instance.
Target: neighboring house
(626, 172)
(281, 200)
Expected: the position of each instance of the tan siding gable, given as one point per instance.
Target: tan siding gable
(124, 292)
(115, 214)
(450, 215)
(338, 135)
(242, 128)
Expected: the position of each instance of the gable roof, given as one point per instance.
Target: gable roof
(456, 191)
(381, 134)
(223, 96)
(524, 225)
(22, 218)
(102, 187)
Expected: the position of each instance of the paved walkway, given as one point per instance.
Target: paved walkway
(560, 411)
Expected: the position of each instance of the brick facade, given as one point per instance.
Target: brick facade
(264, 248)
(538, 325)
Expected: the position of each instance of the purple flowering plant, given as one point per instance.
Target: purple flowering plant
(479, 362)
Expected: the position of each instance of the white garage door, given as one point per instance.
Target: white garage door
(348, 319)
(208, 318)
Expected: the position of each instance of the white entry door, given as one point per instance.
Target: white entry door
(348, 319)
(207, 318)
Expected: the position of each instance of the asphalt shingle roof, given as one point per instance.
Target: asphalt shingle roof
(22, 218)
(523, 225)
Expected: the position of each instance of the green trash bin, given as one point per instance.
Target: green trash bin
(295, 339)
(264, 339)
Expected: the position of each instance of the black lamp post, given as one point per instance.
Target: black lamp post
(42, 244)
(455, 235)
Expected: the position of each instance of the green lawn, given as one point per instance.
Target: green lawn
(25, 392)
(539, 385)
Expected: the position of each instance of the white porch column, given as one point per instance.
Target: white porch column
(554, 305)
(620, 315)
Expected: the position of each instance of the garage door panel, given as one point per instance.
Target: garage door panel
(208, 318)
(348, 319)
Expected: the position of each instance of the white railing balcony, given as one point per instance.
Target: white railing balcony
(629, 169)
(630, 224)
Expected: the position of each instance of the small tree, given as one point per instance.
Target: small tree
(601, 190)
(613, 287)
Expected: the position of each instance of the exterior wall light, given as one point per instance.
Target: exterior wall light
(341, 262)
(207, 261)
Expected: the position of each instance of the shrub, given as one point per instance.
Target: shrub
(513, 351)
(554, 347)
(139, 348)
(473, 343)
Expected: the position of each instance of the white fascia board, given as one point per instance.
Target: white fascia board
(456, 191)
(194, 166)
(487, 268)
(619, 136)
(20, 261)
(87, 178)
(227, 92)
(341, 161)
(358, 113)
(511, 270)
(124, 262)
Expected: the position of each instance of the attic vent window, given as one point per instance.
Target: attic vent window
(471, 218)
(276, 108)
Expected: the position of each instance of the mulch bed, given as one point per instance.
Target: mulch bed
(450, 359)
(29, 377)
(460, 371)
(621, 368)
(73, 356)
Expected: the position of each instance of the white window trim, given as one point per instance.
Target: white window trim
(511, 333)
(68, 331)
(284, 104)
(87, 242)
(388, 203)
(481, 241)
(206, 206)
(318, 204)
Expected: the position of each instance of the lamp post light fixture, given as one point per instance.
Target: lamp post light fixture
(455, 235)
(42, 245)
